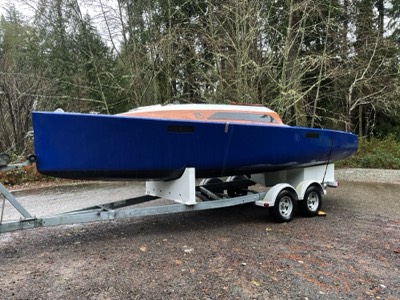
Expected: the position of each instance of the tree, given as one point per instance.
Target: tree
(21, 79)
(75, 56)
(325, 63)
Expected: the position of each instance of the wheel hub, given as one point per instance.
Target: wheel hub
(312, 201)
(285, 206)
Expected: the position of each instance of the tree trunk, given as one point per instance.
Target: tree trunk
(291, 73)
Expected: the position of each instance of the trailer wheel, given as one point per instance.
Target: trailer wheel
(32, 158)
(312, 201)
(4, 159)
(284, 208)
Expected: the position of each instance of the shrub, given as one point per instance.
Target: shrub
(375, 153)
(21, 175)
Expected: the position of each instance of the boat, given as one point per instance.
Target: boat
(159, 142)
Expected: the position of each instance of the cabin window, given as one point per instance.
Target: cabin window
(242, 117)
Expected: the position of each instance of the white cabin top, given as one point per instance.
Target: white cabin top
(248, 114)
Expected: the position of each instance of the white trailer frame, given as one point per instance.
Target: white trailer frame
(293, 184)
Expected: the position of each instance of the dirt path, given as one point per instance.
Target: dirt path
(231, 253)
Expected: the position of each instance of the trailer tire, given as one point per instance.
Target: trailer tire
(284, 207)
(31, 158)
(312, 201)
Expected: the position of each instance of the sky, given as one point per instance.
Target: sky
(25, 6)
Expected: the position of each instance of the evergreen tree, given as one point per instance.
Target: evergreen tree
(21, 81)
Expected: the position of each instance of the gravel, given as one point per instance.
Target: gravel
(368, 175)
(231, 253)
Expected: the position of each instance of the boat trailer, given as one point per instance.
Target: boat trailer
(288, 188)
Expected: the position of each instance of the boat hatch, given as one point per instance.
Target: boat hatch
(240, 116)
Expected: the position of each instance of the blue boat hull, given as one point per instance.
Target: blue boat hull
(86, 146)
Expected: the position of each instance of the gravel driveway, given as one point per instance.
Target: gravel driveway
(230, 253)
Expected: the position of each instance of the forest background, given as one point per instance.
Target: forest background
(322, 63)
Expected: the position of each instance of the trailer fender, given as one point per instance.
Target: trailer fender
(302, 187)
(273, 192)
